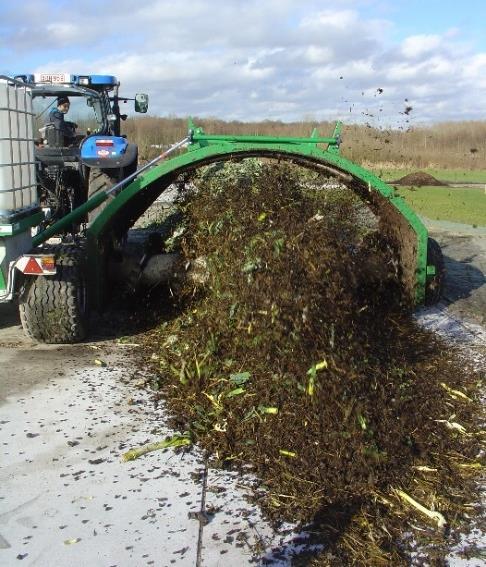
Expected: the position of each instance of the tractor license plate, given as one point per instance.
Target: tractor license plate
(53, 78)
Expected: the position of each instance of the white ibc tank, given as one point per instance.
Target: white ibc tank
(18, 190)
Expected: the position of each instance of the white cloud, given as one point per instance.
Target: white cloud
(318, 55)
(329, 19)
(252, 60)
(64, 33)
(420, 45)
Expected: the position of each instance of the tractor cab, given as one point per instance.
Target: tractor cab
(77, 150)
(95, 105)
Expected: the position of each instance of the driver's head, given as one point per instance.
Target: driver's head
(63, 104)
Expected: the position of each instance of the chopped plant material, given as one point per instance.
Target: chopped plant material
(455, 393)
(295, 353)
(174, 442)
(435, 516)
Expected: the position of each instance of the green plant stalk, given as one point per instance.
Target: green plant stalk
(176, 441)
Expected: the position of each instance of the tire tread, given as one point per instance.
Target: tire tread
(52, 308)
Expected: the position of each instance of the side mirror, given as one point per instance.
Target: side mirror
(89, 101)
(141, 102)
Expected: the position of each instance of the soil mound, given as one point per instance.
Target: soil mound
(297, 357)
(419, 179)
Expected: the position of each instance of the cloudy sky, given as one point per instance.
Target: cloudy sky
(356, 60)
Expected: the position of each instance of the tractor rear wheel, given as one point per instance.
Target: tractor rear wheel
(54, 309)
(100, 180)
(103, 179)
(435, 283)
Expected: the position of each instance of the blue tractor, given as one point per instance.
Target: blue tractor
(75, 162)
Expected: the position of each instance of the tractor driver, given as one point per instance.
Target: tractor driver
(56, 118)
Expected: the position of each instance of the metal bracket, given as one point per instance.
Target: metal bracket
(10, 290)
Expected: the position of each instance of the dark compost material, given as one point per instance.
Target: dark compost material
(419, 179)
(294, 354)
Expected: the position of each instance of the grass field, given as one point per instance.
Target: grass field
(449, 175)
(465, 205)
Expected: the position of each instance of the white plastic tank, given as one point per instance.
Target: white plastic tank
(18, 188)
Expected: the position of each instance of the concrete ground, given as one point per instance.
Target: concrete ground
(66, 497)
(464, 249)
(461, 314)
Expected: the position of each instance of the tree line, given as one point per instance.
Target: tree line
(449, 145)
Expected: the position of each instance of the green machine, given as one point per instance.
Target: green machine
(57, 284)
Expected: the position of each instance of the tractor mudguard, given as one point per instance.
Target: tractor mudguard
(106, 152)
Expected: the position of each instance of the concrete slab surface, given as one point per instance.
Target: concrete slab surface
(66, 497)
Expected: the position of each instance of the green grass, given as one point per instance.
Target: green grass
(465, 205)
(449, 175)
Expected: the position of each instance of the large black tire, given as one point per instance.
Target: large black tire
(435, 283)
(132, 167)
(100, 180)
(54, 309)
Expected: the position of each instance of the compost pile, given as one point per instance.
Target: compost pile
(291, 353)
(419, 179)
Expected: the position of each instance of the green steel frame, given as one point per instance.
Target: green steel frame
(119, 214)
